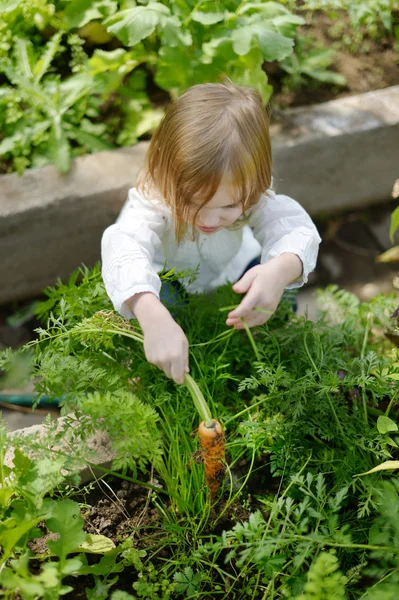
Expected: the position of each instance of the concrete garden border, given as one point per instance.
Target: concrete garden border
(338, 155)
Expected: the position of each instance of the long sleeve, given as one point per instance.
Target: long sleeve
(128, 248)
(281, 225)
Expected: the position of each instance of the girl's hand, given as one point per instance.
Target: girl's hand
(165, 344)
(265, 286)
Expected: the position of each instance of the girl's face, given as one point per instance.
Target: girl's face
(221, 211)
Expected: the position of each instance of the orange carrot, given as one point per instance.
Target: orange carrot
(212, 445)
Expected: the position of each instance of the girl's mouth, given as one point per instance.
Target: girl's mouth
(208, 229)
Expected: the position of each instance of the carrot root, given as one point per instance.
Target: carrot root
(212, 446)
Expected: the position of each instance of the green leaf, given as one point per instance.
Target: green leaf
(326, 76)
(209, 13)
(41, 477)
(267, 9)
(255, 78)
(242, 39)
(138, 123)
(24, 57)
(11, 535)
(80, 12)
(96, 544)
(187, 582)
(385, 425)
(119, 595)
(135, 24)
(58, 148)
(386, 466)
(394, 224)
(46, 58)
(92, 143)
(67, 522)
(103, 60)
(74, 89)
(273, 46)
(174, 68)
(173, 33)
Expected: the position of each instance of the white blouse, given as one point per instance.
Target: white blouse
(142, 242)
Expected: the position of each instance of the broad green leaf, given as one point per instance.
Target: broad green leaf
(273, 46)
(394, 224)
(9, 5)
(43, 476)
(67, 522)
(219, 45)
(10, 580)
(385, 424)
(22, 463)
(242, 39)
(5, 494)
(119, 595)
(11, 536)
(49, 575)
(386, 466)
(255, 78)
(72, 566)
(80, 12)
(96, 544)
(103, 60)
(174, 68)
(135, 24)
(173, 34)
(58, 148)
(209, 13)
(268, 9)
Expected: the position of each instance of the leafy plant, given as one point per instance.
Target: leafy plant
(374, 15)
(307, 407)
(88, 76)
(310, 64)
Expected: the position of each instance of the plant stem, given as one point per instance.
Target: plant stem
(251, 339)
(363, 352)
(199, 400)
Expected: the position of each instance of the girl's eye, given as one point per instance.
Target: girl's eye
(236, 205)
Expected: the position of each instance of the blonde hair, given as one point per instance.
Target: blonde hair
(210, 130)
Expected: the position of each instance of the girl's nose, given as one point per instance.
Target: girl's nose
(208, 218)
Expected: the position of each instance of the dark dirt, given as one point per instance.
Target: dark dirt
(119, 509)
(367, 64)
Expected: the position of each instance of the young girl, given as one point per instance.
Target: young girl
(204, 201)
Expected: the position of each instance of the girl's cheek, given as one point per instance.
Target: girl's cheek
(233, 215)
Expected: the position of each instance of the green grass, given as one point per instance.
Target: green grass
(299, 402)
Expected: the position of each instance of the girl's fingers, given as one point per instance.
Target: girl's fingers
(254, 318)
(245, 307)
(177, 371)
(243, 284)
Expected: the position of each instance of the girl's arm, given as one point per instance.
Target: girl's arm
(133, 284)
(290, 244)
(281, 226)
(127, 251)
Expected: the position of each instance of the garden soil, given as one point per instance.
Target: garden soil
(367, 64)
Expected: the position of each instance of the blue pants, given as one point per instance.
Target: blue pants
(173, 293)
